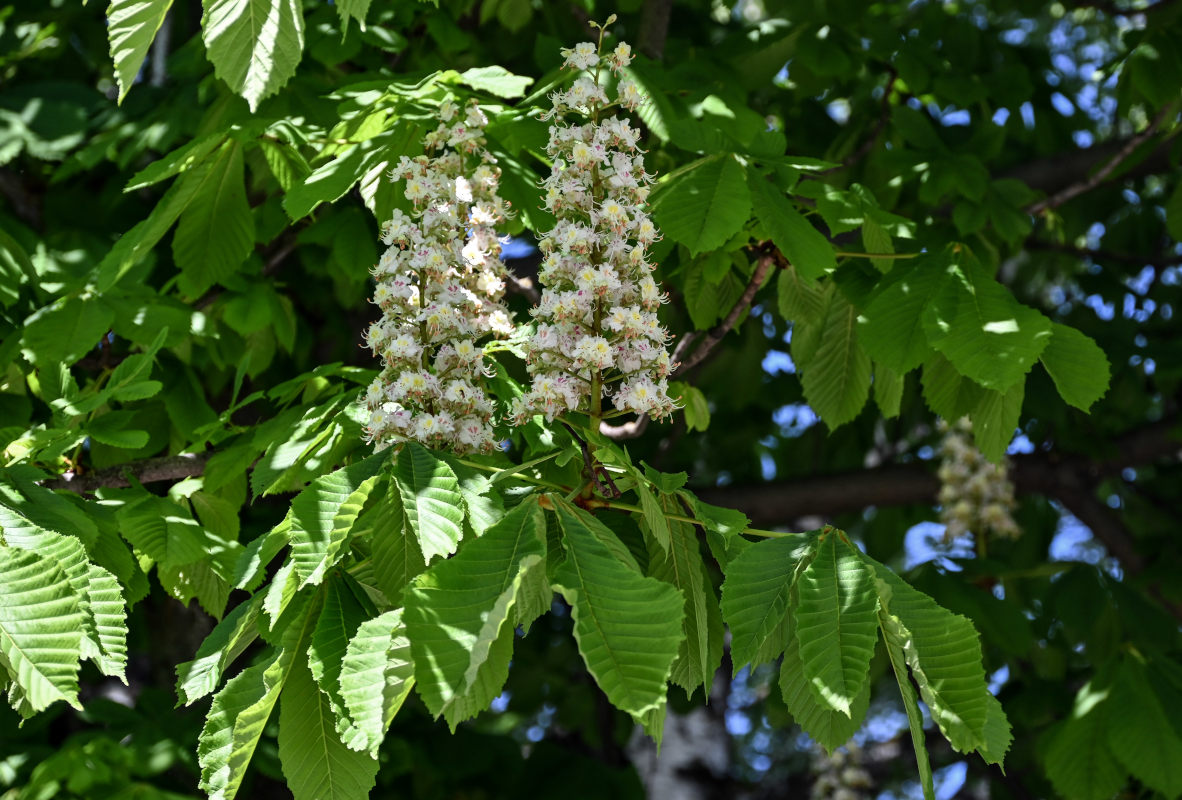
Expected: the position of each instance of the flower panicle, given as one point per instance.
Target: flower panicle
(439, 285)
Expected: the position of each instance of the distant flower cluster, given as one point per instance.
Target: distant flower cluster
(597, 327)
(439, 286)
(976, 494)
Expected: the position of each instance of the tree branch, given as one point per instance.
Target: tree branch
(152, 470)
(654, 28)
(1158, 261)
(1099, 176)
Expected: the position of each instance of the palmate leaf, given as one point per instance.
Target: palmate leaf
(131, 27)
(316, 763)
(377, 674)
(255, 45)
(431, 499)
(755, 596)
(323, 514)
(1079, 761)
(40, 624)
(827, 727)
(944, 654)
(701, 648)
(628, 627)
(241, 709)
(460, 617)
(836, 625)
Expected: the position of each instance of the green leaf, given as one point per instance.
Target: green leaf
(40, 629)
(357, 9)
(681, 565)
(827, 727)
(890, 327)
(496, 81)
(836, 379)
(112, 429)
(64, 332)
(894, 635)
(323, 514)
(799, 300)
(995, 418)
(1140, 733)
(947, 392)
(982, 330)
(628, 627)
(227, 641)
(376, 676)
(240, 711)
(944, 654)
(395, 554)
(108, 612)
(704, 206)
(254, 45)
(216, 231)
(460, 615)
(1077, 365)
(697, 409)
(888, 390)
(654, 515)
(836, 626)
(316, 763)
(1077, 756)
(162, 530)
(805, 247)
(339, 619)
(131, 27)
(755, 594)
(431, 498)
(174, 163)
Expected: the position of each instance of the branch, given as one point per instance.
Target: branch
(152, 470)
(1158, 262)
(654, 28)
(884, 117)
(1101, 175)
(633, 429)
(1071, 481)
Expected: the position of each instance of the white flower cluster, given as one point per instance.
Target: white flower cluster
(439, 285)
(841, 776)
(976, 494)
(597, 327)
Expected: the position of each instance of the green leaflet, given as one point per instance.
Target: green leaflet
(1077, 365)
(131, 27)
(947, 392)
(108, 611)
(827, 727)
(254, 45)
(356, 9)
(228, 639)
(995, 418)
(431, 499)
(976, 323)
(395, 554)
(241, 709)
(755, 596)
(944, 654)
(700, 651)
(889, 328)
(799, 300)
(836, 626)
(628, 627)
(342, 613)
(377, 674)
(809, 252)
(705, 205)
(460, 615)
(323, 514)
(65, 331)
(317, 765)
(162, 530)
(654, 515)
(496, 81)
(836, 374)
(894, 635)
(216, 230)
(1141, 734)
(888, 390)
(1079, 761)
(40, 623)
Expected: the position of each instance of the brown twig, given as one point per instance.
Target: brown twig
(1101, 175)
(152, 470)
(654, 28)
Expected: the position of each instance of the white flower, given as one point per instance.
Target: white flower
(976, 495)
(597, 326)
(439, 286)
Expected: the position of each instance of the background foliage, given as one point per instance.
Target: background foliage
(197, 191)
